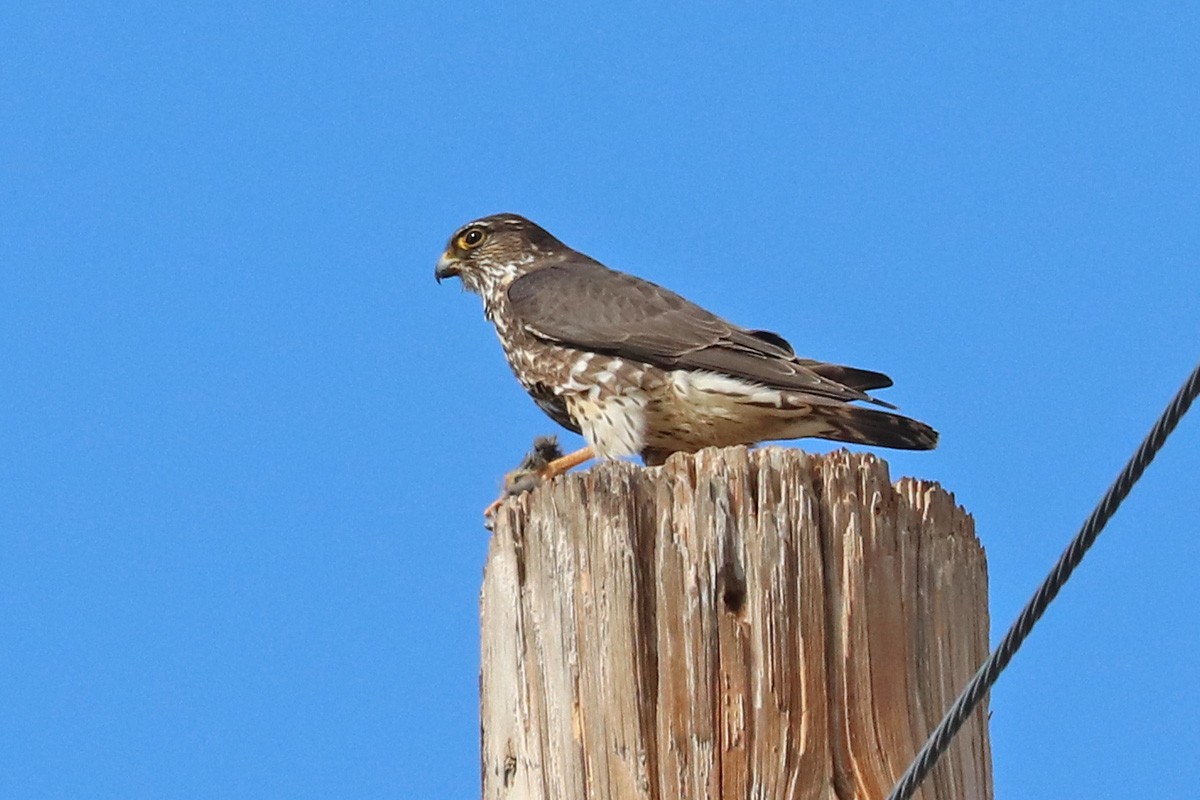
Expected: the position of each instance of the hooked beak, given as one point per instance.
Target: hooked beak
(447, 267)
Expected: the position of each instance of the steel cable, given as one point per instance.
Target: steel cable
(987, 674)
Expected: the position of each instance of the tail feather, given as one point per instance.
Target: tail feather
(877, 428)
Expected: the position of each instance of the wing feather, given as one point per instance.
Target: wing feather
(581, 303)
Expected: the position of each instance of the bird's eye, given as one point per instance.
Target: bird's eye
(471, 238)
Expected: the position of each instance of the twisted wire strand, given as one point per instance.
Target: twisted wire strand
(987, 674)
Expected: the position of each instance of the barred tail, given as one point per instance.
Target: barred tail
(871, 427)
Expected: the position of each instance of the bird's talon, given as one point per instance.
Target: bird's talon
(520, 481)
(493, 507)
(526, 477)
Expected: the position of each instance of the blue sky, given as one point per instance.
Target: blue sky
(246, 438)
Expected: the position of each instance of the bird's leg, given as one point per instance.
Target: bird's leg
(566, 463)
(544, 462)
(527, 475)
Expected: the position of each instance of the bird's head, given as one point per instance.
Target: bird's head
(489, 253)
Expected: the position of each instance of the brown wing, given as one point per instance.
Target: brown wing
(583, 304)
(853, 377)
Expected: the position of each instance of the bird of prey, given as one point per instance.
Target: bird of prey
(638, 370)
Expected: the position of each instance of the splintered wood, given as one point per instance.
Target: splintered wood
(736, 624)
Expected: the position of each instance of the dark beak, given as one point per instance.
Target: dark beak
(447, 267)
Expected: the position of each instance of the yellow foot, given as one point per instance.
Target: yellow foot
(544, 462)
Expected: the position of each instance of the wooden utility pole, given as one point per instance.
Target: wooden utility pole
(736, 624)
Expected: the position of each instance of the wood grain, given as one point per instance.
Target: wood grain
(734, 624)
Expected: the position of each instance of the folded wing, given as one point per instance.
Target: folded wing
(581, 303)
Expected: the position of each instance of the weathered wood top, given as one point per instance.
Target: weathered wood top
(735, 624)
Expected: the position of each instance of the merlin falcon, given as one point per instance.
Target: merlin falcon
(638, 370)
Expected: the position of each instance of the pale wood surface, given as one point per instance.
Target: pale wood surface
(736, 624)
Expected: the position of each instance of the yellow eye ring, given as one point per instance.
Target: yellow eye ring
(471, 238)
